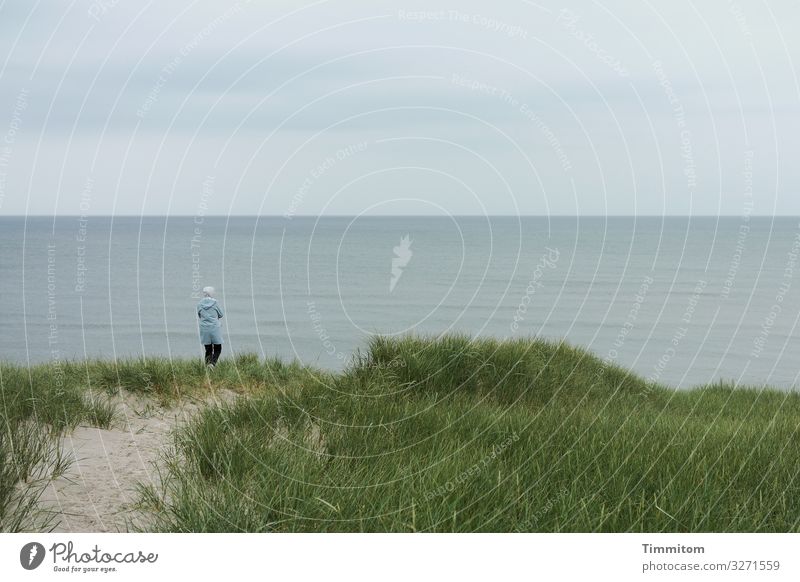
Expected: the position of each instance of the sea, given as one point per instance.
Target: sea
(682, 301)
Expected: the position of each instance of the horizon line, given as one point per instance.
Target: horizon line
(400, 216)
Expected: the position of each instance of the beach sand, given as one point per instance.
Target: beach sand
(98, 492)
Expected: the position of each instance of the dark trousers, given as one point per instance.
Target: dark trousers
(212, 353)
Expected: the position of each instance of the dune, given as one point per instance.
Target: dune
(99, 490)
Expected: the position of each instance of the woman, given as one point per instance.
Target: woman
(209, 313)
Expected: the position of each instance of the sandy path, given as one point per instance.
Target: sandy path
(98, 492)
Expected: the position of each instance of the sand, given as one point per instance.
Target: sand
(98, 493)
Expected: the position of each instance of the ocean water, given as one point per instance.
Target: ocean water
(684, 301)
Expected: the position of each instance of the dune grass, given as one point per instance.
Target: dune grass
(40, 403)
(452, 434)
(422, 434)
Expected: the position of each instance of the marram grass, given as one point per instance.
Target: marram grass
(458, 435)
(448, 434)
(39, 403)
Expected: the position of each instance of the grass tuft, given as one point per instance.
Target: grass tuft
(456, 434)
(428, 434)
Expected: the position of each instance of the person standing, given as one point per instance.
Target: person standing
(209, 313)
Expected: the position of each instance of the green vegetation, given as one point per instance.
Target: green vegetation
(421, 434)
(38, 404)
(459, 435)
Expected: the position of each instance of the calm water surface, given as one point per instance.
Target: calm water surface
(683, 301)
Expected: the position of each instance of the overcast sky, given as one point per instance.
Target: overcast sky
(344, 107)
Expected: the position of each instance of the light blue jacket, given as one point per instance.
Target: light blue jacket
(209, 313)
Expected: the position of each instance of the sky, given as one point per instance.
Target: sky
(446, 108)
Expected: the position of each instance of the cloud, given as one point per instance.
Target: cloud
(118, 76)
